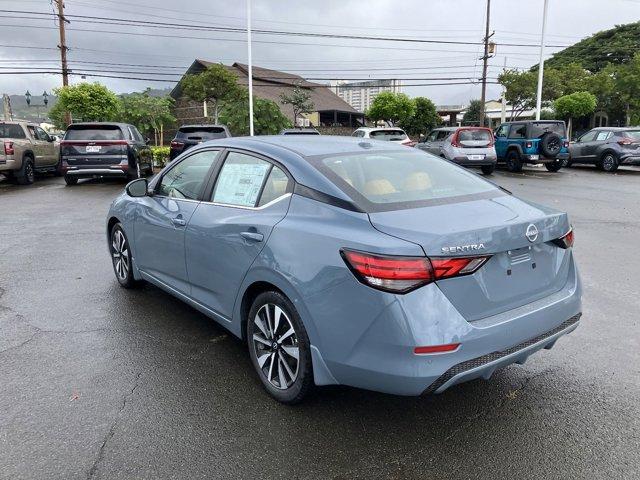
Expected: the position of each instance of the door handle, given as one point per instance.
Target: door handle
(253, 236)
(179, 222)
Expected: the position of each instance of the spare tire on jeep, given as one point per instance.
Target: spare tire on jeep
(550, 144)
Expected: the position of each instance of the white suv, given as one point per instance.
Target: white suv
(391, 134)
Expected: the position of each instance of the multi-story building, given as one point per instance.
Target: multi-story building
(360, 95)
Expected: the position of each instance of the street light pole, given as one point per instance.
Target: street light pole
(541, 64)
(250, 61)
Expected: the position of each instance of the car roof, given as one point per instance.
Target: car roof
(203, 125)
(534, 121)
(309, 131)
(376, 129)
(90, 124)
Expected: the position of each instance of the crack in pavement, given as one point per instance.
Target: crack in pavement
(511, 395)
(112, 429)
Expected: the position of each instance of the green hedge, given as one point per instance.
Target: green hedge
(160, 156)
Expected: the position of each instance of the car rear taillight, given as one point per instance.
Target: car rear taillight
(625, 141)
(398, 274)
(528, 144)
(566, 144)
(565, 241)
(8, 148)
(175, 145)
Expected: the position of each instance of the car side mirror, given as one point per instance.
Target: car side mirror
(137, 188)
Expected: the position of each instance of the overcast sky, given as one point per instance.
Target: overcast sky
(514, 21)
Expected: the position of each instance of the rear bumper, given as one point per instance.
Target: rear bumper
(9, 163)
(467, 162)
(383, 360)
(629, 159)
(536, 158)
(95, 172)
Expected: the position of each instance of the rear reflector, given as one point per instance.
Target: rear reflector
(566, 241)
(397, 274)
(451, 347)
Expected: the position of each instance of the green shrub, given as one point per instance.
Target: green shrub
(160, 156)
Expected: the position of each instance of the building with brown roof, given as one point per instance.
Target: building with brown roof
(329, 108)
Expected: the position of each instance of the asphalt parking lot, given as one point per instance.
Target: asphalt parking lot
(101, 382)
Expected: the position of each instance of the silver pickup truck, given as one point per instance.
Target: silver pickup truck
(26, 149)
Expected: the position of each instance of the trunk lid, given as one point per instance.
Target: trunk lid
(519, 271)
(92, 153)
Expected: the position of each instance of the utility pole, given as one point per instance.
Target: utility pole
(541, 64)
(250, 62)
(63, 52)
(503, 113)
(485, 58)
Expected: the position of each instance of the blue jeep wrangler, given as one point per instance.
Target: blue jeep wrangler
(532, 141)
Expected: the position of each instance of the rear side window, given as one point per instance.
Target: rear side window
(11, 131)
(240, 180)
(201, 133)
(274, 187)
(94, 132)
(518, 131)
(538, 129)
(186, 179)
(388, 135)
(401, 177)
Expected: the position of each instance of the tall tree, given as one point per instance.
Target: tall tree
(391, 107)
(300, 101)
(424, 118)
(86, 102)
(472, 114)
(147, 113)
(521, 89)
(628, 85)
(215, 85)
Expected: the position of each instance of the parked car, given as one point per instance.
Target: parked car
(104, 149)
(27, 149)
(532, 141)
(466, 146)
(299, 131)
(188, 136)
(607, 148)
(347, 262)
(391, 134)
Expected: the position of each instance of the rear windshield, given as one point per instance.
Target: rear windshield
(388, 135)
(635, 134)
(8, 130)
(401, 179)
(537, 129)
(474, 135)
(201, 133)
(94, 132)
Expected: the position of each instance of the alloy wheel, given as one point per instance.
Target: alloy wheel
(29, 173)
(607, 162)
(120, 253)
(275, 345)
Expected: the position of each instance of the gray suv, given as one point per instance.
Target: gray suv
(607, 148)
(26, 149)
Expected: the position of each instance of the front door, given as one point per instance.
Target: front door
(427, 143)
(581, 150)
(49, 149)
(227, 233)
(39, 151)
(163, 217)
(501, 140)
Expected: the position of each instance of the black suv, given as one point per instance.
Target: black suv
(607, 148)
(532, 141)
(189, 135)
(103, 149)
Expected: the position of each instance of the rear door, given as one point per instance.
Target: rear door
(230, 227)
(162, 219)
(95, 145)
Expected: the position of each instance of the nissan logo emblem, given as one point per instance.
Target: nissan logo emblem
(532, 233)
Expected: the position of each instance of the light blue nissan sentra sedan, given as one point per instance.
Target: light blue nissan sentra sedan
(345, 261)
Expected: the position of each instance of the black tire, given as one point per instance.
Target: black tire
(554, 166)
(550, 145)
(609, 162)
(566, 163)
(27, 173)
(70, 181)
(514, 164)
(280, 350)
(488, 169)
(121, 258)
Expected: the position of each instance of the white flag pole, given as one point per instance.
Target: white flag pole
(541, 64)
(249, 61)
